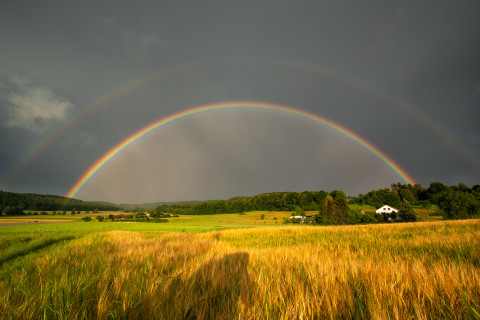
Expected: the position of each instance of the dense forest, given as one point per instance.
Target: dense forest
(15, 203)
(454, 202)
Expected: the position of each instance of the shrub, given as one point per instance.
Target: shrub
(86, 219)
(140, 215)
(43, 213)
(262, 216)
(100, 218)
(296, 220)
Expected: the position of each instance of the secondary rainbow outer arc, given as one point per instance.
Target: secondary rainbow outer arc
(36, 148)
(251, 105)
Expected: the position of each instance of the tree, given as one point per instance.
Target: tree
(299, 211)
(435, 190)
(406, 194)
(406, 212)
(338, 195)
(13, 211)
(458, 204)
(332, 211)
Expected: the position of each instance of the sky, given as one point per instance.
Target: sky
(78, 78)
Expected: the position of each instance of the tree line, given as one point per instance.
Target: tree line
(454, 202)
(275, 201)
(12, 203)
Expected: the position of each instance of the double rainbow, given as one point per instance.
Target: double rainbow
(234, 105)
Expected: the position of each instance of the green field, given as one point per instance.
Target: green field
(239, 266)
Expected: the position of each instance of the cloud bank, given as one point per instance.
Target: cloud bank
(31, 108)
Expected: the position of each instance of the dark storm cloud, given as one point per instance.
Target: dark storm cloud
(423, 56)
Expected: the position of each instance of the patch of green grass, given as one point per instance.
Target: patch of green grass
(357, 206)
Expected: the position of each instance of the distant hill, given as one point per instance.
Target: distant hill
(47, 202)
(150, 205)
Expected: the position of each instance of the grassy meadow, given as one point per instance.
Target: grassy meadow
(240, 267)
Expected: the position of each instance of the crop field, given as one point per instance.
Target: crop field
(236, 267)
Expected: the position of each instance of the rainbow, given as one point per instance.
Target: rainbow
(233, 105)
(38, 147)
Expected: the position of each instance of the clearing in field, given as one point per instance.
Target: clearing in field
(427, 270)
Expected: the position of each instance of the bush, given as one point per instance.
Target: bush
(140, 215)
(262, 216)
(296, 220)
(100, 218)
(86, 219)
(43, 213)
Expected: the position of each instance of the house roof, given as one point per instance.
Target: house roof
(387, 209)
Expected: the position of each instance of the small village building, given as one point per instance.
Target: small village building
(298, 217)
(304, 219)
(386, 209)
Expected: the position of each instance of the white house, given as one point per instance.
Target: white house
(299, 217)
(304, 218)
(386, 209)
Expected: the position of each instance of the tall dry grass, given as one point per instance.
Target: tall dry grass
(402, 271)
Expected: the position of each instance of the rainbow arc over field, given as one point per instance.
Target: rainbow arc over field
(39, 146)
(234, 105)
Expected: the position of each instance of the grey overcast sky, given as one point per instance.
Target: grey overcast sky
(404, 75)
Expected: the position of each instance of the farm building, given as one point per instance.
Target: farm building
(304, 219)
(386, 209)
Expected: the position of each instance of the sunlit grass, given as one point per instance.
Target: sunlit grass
(414, 270)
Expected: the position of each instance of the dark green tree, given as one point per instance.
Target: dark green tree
(299, 211)
(406, 194)
(406, 212)
(458, 204)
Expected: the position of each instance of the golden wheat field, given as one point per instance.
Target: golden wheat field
(428, 270)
